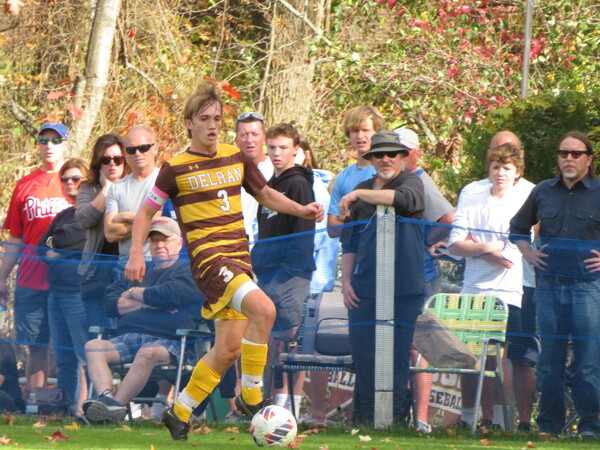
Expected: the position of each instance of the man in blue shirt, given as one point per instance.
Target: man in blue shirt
(360, 124)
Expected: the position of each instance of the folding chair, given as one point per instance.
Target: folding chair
(479, 321)
(199, 338)
(322, 340)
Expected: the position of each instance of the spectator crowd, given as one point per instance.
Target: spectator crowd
(102, 243)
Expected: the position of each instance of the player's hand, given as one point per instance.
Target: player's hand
(135, 270)
(593, 264)
(314, 211)
(351, 300)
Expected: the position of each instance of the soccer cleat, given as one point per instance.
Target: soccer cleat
(177, 427)
(250, 410)
(105, 409)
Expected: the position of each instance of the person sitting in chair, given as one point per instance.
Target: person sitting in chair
(148, 316)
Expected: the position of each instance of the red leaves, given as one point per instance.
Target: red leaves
(392, 3)
(226, 87)
(54, 95)
(453, 71)
(13, 7)
(131, 33)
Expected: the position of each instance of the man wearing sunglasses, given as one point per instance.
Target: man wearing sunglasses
(37, 198)
(250, 138)
(393, 186)
(567, 283)
(127, 194)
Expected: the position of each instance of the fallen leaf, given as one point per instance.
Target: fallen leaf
(233, 439)
(39, 424)
(354, 431)
(203, 429)
(73, 426)
(530, 445)
(147, 434)
(487, 443)
(151, 446)
(232, 430)
(313, 431)
(59, 436)
(325, 447)
(125, 428)
(9, 419)
(298, 441)
(364, 438)
(386, 439)
(4, 440)
(54, 95)
(194, 445)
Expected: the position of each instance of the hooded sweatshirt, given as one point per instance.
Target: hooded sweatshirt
(292, 256)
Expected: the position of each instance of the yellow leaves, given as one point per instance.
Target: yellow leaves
(231, 430)
(125, 428)
(74, 426)
(203, 429)
(9, 419)
(41, 423)
(487, 443)
(364, 438)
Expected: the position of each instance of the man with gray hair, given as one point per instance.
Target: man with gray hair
(127, 194)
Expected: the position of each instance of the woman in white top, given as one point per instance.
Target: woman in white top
(493, 264)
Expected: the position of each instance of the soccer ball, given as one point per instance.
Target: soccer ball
(273, 426)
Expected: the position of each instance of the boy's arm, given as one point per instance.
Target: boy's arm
(278, 202)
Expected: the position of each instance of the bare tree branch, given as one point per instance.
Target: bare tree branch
(307, 21)
(18, 113)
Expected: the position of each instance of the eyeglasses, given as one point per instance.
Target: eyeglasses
(105, 160)
(55, 141)
(250, 115)
(574, 153)
(380, 155)
(142, 148)
(75, 178)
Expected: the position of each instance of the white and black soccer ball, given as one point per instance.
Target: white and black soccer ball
(273, 426)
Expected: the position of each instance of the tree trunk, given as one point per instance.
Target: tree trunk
(288, 92)
(96, 71)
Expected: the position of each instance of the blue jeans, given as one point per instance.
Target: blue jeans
(69, 333)
(563, 311)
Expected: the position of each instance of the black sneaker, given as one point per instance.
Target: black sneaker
(177, 427)
(250, 410)
(104, 409)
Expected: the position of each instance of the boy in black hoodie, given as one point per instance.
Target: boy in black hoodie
(284, 267)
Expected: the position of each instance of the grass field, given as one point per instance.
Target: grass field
(25, 433)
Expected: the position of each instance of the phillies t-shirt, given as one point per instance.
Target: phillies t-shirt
(37, 198)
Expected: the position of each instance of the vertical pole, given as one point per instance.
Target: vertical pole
(384, 317)
(526, 48)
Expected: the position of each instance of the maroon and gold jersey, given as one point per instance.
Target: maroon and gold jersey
(206, 196)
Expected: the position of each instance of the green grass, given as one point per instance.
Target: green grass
(147, 435)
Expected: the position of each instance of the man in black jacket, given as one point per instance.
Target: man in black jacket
(148, 316)
(284, 267)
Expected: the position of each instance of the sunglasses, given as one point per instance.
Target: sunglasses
(105, 160)
(142, 148)
(75, 178)
(250, 115)
(574, 153)
(45, 140)
(380, 155)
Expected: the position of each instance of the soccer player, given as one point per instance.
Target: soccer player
(204, 184)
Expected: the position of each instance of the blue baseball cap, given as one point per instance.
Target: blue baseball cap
(55, 126)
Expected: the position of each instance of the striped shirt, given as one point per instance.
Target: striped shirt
(206, 196)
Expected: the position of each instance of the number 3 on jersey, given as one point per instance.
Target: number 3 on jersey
(226, 274)
(226, 206)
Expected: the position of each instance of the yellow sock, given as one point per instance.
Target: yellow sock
(254, 359)
(203, 381)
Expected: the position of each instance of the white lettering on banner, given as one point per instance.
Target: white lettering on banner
(216, 178)
(36, 208)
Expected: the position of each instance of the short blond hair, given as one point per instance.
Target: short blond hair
(356, 116)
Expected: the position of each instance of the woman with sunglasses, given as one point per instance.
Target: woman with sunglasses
(107, 166)
(60, 248)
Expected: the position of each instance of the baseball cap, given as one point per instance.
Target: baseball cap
(407, 137)
(386, 141)
(166, 226)
(55, 126)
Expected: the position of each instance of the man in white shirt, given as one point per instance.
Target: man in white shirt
(250, 138)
